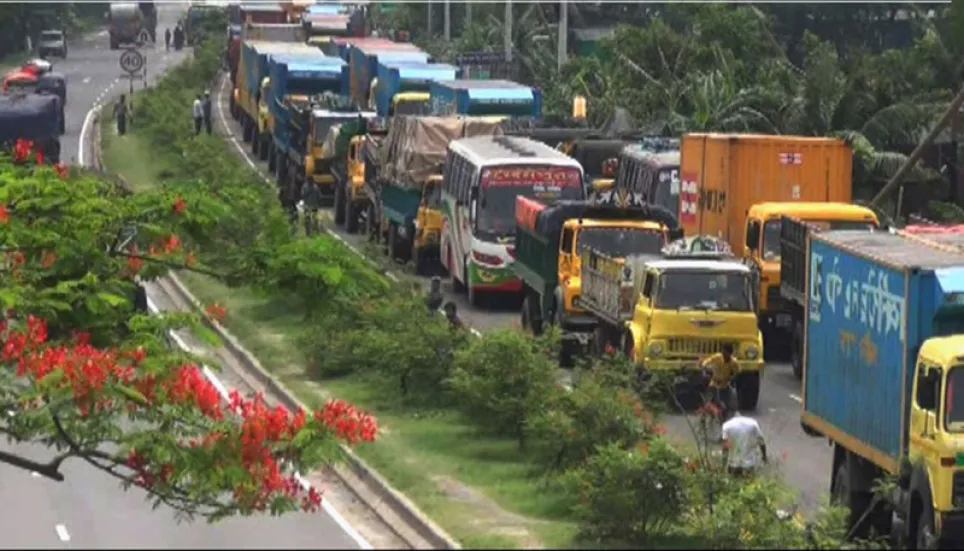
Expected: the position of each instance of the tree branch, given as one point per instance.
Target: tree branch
(170, 264)
(50, 470)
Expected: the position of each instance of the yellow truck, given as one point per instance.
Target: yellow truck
(548, 243)
(883, 372)
(668, 313)
(776, 245)
(722, 177)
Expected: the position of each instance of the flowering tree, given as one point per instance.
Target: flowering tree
(87, 374)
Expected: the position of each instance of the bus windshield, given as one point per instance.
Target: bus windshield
(500, 186)
(620, 241)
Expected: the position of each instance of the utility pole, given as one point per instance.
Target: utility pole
(563, 30)
(428, 20)
(951, 112)
(447, 10)
(508, 31)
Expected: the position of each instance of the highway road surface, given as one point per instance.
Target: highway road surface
(89, 509)
(804, 461)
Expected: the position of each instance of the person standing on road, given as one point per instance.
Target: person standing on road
(742, 438)
(311, 198)
(206, 109)
(121, 110)
(167, 39)
(722, 369)
(197, 111)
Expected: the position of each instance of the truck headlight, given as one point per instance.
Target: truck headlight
(655, 350)
(751, 352)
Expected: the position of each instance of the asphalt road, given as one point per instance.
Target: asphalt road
(804, 461)
(89, 509)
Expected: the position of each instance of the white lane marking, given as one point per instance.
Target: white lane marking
(86, 80)
(247, 159)
(226, 395)
(62, 532)
(82, 139)
(796, 398)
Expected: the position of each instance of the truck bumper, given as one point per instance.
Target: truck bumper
(580, 323)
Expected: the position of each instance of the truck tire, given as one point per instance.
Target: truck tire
(281, 172)
(263, 150)
(246, 128)
(856, 503)
(420, 260)
(796, 352)
(232, 107)
(272, 158)
(339, 206)
(392, 248)
(531, 318)
(748, 391)
(925, 537)
(256, 140)
(351, 215)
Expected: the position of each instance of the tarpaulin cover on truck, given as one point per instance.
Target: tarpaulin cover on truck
(29, 116)
(415, 147)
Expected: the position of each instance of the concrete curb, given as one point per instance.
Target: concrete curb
(375, 483)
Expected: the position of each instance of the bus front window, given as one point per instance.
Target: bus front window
(500, 187)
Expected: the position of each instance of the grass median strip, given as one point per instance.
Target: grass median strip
(479, 488)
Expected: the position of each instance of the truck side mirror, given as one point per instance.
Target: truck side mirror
(753, 234)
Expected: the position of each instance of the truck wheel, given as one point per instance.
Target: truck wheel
(351, 214)
(371, 224)
(339, 206)
(531, 320)
(272, 158)
(281, 173)
(246, 130)
(748, 391)
(796, 352)
(925, 536)
(420, 259)
(856, 503)
(232, 107)
(263, 149)
(256, 140)
(392, 241)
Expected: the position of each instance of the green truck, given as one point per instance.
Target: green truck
(548, 245)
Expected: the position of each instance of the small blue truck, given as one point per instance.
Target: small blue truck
(884, 378)
(403, 87)
(485, 98)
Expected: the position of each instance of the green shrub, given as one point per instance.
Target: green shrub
(630, 497)
(505, 380)
(601, 409)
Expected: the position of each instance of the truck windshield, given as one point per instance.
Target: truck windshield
(620, 241)
(954, 400)
(703, 290)
(322, 125)
(771, 233)
(312, 86)
(414, 108)
(500, 186)
(50, 35)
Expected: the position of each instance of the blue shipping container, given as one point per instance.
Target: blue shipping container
(873, 297)
(255, 58)
(395, 77)
(485, 97)
(364, 64)
(296, 75)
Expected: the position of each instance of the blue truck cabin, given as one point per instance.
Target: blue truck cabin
(874, 299)
(485, 97)
(254, 55)
(396, 77)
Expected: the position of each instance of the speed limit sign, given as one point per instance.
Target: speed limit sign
(132, 61)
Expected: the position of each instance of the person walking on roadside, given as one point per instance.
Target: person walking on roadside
(206, 110)
(742, 438)
(435, 298)
(167, 39)
(451, 314)
(197, 111)
(121, 111)
(311, 199)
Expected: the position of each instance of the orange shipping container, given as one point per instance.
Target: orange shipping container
(723, 175)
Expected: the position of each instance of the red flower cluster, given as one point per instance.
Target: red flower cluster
(259, 444)
(24, 148)
(179, 205)
(216, 311)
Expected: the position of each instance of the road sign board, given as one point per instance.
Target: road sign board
(132, 61)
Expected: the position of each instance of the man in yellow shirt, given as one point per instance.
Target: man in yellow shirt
(722, 369)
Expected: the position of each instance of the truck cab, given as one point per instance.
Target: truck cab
(687, 309)
(762, 253)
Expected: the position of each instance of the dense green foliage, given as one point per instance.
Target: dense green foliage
(19, 20)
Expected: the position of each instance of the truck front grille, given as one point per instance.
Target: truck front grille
(957, 490)
(699, 348)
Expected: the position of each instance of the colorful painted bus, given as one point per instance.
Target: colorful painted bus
(481, 180)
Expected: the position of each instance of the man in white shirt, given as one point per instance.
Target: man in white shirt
(198, 112)
(742, 438)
